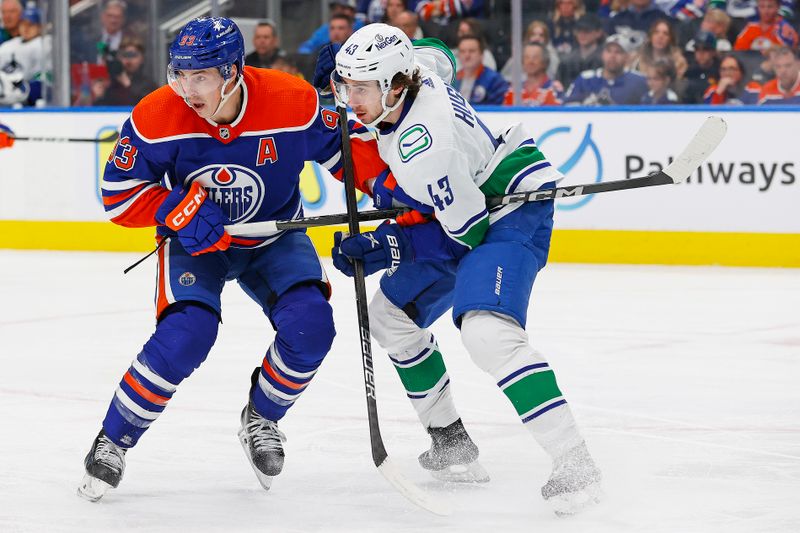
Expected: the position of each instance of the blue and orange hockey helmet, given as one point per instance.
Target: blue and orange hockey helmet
(208, 42)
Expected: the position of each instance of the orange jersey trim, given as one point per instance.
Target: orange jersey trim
(273, 101)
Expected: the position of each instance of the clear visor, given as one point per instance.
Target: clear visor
(195, 83)
(356, 92)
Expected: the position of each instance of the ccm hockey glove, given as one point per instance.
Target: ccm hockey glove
(198, 221)
(326, 63)
(383, 248)
(6, 136)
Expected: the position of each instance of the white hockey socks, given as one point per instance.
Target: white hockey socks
(418, 362)
(499, 346)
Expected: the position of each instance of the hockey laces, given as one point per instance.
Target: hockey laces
(108, 454)
(265, 433)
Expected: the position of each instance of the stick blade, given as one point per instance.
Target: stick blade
(704, 142)
(413, 493)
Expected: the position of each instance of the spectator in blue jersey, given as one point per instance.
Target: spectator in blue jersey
(639, 16)
(480, 85)
(660, 76)
(321, 35)
(10, 14)
(612, 84)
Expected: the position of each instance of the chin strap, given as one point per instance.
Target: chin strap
(224, 97)
(387, 110)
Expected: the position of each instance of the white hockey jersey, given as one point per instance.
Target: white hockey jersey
(443, 155)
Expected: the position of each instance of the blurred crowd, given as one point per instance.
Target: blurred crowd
(602, 52)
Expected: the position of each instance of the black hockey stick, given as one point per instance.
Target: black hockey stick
(113, 137)
(704, 142)
(379, 455)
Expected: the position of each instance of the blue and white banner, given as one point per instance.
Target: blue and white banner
(750, 183)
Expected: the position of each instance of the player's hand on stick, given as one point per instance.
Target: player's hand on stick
(6, 136)
(383, 248)
(198, 221)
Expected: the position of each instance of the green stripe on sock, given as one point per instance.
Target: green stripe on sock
(520, 158)
(424, 375)
(532, 391)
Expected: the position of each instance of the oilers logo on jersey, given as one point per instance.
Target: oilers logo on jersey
(238, 190)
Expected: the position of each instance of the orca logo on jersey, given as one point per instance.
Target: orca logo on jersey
(236, 189)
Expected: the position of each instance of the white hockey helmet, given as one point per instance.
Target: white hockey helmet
(376, 52)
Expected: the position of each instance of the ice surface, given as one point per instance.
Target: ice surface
(685, 380)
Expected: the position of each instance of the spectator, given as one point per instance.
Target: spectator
(10, 14)
(785, 88)
(703, 69)
(30, 54)
(536, 32)
(718, 23)
(660, 75)
(340, 28)
(612, 84)
(267, 46)
(478, 84)
(732, 89)
(472, 26)
(393, 10)
(638, 17)
(768, 31)
(747, 9)
(288, 64)
(586, 55)
(129, 82)
(660, 45)
(443, 12)
(609, 8)
(100, 46)
(537, 89)
(408, 21)
(321, 35)
(562, 25)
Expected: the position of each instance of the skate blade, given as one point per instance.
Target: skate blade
(263, 479)
(91, 488)
(571, 503)
(469, 473)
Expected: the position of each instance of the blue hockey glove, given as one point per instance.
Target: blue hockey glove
(6, 136)
(386, 193)
(385, 247)
(198, 221)
(326, 63)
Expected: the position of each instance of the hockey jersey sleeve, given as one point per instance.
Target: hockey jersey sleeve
(130, 188)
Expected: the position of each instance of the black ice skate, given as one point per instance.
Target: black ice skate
(263, 444)
(453, 456)
(105, 465)
(574, 483)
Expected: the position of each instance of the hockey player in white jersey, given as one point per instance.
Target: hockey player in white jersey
(482, 264)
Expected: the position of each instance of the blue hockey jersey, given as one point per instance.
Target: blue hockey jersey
(250, 167)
